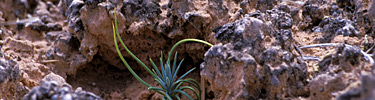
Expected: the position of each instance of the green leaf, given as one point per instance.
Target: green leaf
(184, 93)
(178, 98)
(162, 67)
(155, 67)
(186, 74)
(167, 95)
(179, 83)
(192, 82)
(162, 84)
(168, 72)
(168, 83)
(174, 65)
(163, 98)
(192, 89)
(178, 67)
(156, 88)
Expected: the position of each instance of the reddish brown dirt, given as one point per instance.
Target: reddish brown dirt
(73, 38)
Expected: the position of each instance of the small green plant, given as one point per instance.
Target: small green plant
(170, 84)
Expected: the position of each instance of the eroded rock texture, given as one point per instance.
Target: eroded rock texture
(9, 77)
(54, 87)
(256, 55)
(245, 68)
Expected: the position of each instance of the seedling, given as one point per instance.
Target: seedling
(170, 84)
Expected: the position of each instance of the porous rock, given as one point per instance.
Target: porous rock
(10, 76)
(239, 76)
(236, 69)
(365, 90)
(9, 70)
(313, 12)
(322, 86)
(345, 58)
(144, 25)
(364, 15)
(65, 49)
(54, 87)
(248, 31)
(332, 27)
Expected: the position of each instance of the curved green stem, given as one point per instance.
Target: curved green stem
(186, 40)
(127, 50)
(126, 63)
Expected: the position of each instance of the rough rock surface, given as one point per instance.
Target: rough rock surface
(238, 70)
(332, 27)
(363, 90)
(9, 78)
(238, 76)
(257, 57)
(257, 52)
(54, 87)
